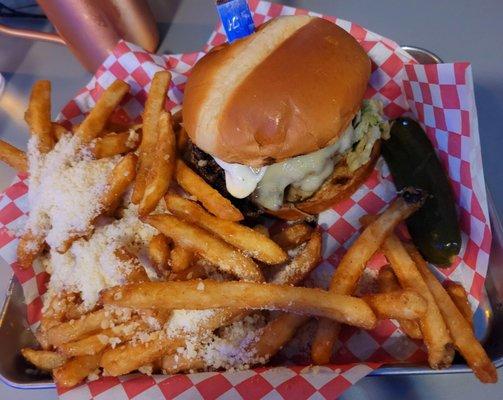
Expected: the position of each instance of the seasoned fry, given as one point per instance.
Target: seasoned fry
(261, 229)
(213, 201)
(246, 239)
(76, 370)
(96, 343)
(278, 332)
(163, 166)
(89, 345)
(388, 282)
(43, 359)
(113, 144)
(158, 253)
(128, 357)
(29, 247)
(293, 236)
(401, 304)
(175, 363)
(211, 248)
(58, 131)
(62, 306)
(460, 329)
(458, 295)
(195, 271)
(13, 157)
(38, 115)
(297, 270)
(351, 267)
(435, 333)
(75, 329)
(137, 272)
(153, 108)
(204, 294)
(119, 180)
(181, 258)
(93, 124)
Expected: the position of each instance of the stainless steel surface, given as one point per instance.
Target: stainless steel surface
(461, 30)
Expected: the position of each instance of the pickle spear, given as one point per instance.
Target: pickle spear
(413, 162)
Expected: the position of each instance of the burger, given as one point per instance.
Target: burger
(277, 121)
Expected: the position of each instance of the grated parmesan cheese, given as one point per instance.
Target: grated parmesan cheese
(90, 266)
(65, 186)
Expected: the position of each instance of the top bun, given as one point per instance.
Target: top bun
(289, 89)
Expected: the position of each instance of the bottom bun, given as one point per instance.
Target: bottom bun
(339, 186)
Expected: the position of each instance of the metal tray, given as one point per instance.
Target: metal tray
(488, 319)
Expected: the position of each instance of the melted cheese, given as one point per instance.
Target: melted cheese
(240, 180)
(305, 174)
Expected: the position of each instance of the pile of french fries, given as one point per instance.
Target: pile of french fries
(197, 227)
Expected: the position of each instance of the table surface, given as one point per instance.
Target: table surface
(461, 30)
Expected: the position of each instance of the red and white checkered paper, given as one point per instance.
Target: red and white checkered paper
(440, 96)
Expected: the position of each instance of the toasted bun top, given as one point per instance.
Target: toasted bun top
(289, 89)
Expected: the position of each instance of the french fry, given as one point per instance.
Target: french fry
(113, 144)
(351, 267)
(387, 283)
(58, 130)
(136, 271)
(433, 327)
(61, 306)
(181, 258)
(175, 363)
(129, 357)
(458, 295)
(293, 236)
(76, 328)
(213, 201)
(119, 180)
(302, 264)
(461, 331)
(153, 108)
(261, 229)
(29, 247)
(38, 115)
(43, 359)
(13, 157)
(96, 343)
(279, 331)
(204, 294)
(401, 304)
(76, 370)
(162, 166)
(159, 254)
(207, 246)
(195, 271)
(94, 123)
(89, 345)
(246, 239)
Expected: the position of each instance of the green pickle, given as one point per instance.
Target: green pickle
(413, 162)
